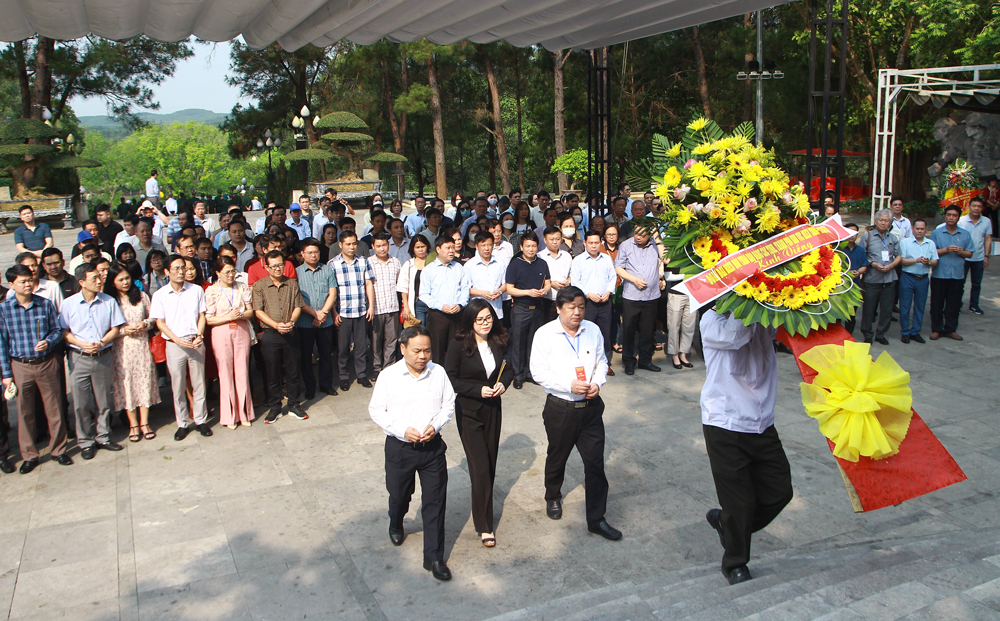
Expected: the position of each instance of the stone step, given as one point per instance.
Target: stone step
(906, 574)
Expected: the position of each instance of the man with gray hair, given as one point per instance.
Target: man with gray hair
(882, 248)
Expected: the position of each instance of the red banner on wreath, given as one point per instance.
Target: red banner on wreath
(734, 268)
(960, 197)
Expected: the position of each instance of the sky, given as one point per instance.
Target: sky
(198, 82)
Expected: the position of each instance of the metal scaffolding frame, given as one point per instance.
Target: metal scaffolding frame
(598, 123)
(943, 86)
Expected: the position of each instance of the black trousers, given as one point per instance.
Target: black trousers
(442, 327)
(480, 433)
(353, 332)
(641, 317)
(525, 320)
(281, 358)
(322, 338)
(600, 314)
(402, 461)
(4, 429)
(946, 303)
(567, 426)
(878, 297)
(753, 482)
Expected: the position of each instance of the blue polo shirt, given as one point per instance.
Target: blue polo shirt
(910, 248)
(32, 240)
(951, 266)
(858, 258)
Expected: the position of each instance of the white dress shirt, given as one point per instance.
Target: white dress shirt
(414, 222)
(594, 275)
(487, 277)
(400, 400)
(152, 188)
(319, 222)
(486, 355)
(555, 356)
(741, 374)
(559, 267)
(45, 289)
(179, 309)
(402, 251)
(504, 252)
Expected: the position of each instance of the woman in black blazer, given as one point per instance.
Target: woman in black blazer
(474, 366)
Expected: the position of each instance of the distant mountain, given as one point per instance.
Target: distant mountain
(111, 129)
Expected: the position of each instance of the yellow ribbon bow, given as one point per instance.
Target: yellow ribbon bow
(862, 405)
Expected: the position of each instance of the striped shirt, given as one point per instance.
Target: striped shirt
(352, 301)
(385, 275)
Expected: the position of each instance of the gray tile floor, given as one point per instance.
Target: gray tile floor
(288, 520)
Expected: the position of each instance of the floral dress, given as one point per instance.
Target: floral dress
(134, 369)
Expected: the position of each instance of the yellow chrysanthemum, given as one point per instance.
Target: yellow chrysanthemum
(731, 217)
(698, 124)
(672, 177)
(743, 189)
(768, 221)
(675, 150)
(802, 207)
(720, 188)
(682, 217)
(699, 170)
(702, 149)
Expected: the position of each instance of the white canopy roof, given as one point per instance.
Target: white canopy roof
(554, 24)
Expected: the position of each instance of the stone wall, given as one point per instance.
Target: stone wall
(976, 139)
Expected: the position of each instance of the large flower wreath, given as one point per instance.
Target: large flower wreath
(722, 194)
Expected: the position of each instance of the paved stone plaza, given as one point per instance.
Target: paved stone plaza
(288, 521)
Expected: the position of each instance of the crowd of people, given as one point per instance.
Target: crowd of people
(898, 262)
(439, 311)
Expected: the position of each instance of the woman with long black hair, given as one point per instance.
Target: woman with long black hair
(479, 375)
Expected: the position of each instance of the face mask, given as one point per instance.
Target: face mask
(492, 202)
(578, 220)
(466, 213)
(508, 224)
(568, 232)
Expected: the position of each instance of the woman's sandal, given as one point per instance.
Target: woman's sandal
(149, 434)
(134, 436)
(489, 542)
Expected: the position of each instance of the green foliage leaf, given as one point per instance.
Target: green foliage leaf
(26, 149)
(384, 157)
(24, 129)
(301, 155)
(341, 120)
(347, 137)
(69, 161)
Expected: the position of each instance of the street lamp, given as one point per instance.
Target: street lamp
(758, 71)
(269, 144)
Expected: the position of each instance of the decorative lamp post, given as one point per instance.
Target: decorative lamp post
(759, 70)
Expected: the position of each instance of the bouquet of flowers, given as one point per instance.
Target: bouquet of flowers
(959, 175)
(723, 194)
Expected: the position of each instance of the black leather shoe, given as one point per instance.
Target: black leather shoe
(110, 446)
(397, 535)
(649, 366)
(88, 453)
(28, 465)
(629, 370)
(737, 575)
(882, 340)
(518, 384)
(678, 365)
(905, 338)
(917, 338)
(5, 466)
(309, 396)
(868, 339)
(364, 382)
(181, 433)
(438, 569)
(553, 509)
(330, 390)
(714, 517)
(205, 430)
(606, 530)
(687, 365)
(345, 386)
(64, 460)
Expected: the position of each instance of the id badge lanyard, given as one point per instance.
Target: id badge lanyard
(581, 372)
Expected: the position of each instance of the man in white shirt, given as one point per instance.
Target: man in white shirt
(298, 222)
(568, 361)
(171, 204)
(901, 225)
(255, 204)
(415, 221)
(179, 311)
(594, 273)
(486, 273)
(238, 240)
(201, 218)
(752, 477)
(560, 263)
(153, 189)
(412, 400)
(144, 243)
(43, 288)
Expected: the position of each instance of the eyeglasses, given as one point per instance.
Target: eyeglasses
(482, 321)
